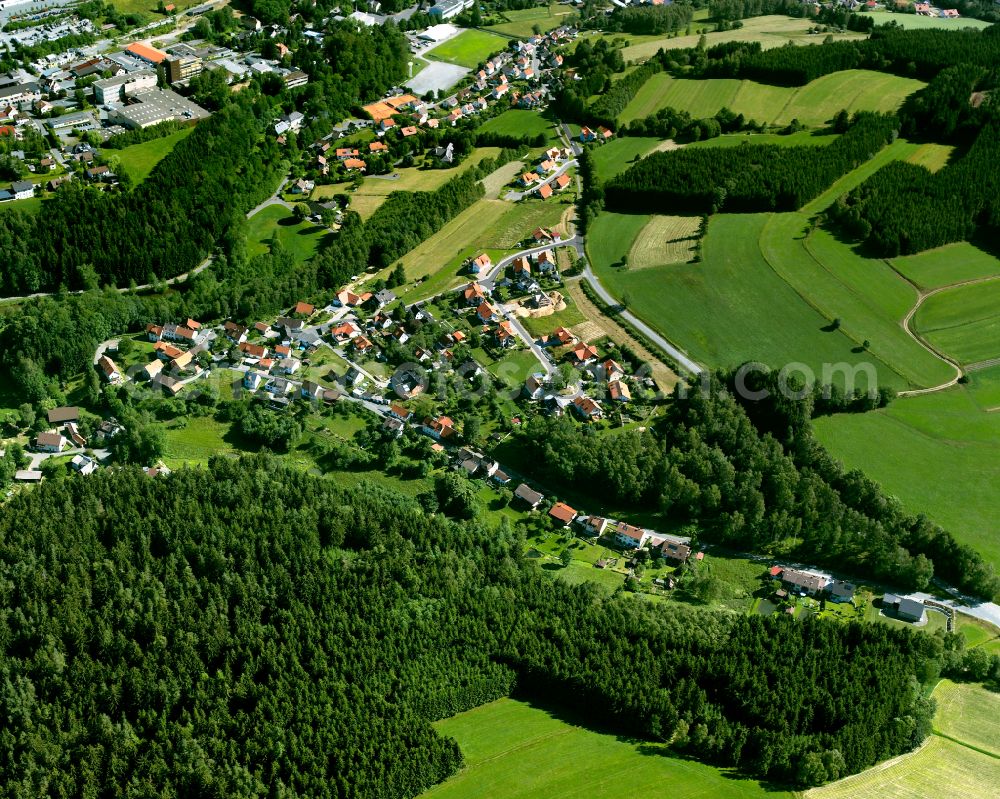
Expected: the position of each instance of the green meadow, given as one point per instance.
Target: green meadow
(514, 750)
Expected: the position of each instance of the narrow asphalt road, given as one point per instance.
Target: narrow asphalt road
(682, 359)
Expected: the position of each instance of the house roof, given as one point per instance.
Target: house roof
(304, 308)
(474, 290)
(529, 495)
(483, 260)
(66, 413)
(545, 191)
(562, 512)
(50, 440)
(619, 390)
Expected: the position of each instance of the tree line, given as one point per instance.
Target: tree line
(277, 634)
(644, 20)
(748, 177)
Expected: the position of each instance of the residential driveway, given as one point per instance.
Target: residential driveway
(985, 611)
(103, 347)
(38, 457)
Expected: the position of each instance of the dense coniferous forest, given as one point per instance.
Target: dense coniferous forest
(753, 477)
(903, 208)
(608, 107)
(249, 630)
(746, 178)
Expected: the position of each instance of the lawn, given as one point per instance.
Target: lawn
(521, 23)
(932, 156)
(30, 206)
(139, 159)
(813, 104)
(514, 368)
(953, 263)
(939, 454)
(733, 306)
(469, 49)
(617, 155)
(301, 239)
(964, 321)
(514, 750)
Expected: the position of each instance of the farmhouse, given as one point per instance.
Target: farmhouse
(587, 408)
(109, 370)
(440, 428)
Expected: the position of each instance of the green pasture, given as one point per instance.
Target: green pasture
(945, 266)
(521, 23)
(964, 321)
(514, 750)
(520, 122)
(939, 454)
(614, 157)
(734, 305)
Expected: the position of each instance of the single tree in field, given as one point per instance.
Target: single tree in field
(565, 557)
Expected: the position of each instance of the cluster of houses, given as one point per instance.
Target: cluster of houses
(809, 582)
(64, 434)
(546, 179)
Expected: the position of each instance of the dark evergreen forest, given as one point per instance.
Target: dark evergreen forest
(248, 630)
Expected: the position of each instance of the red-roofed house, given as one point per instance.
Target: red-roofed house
(545, 191)
(562, 513)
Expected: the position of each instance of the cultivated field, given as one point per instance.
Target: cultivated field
(139, 159)
(941, 768)
(953, 263)
(665, 240)
(813, 104)
(770, 31)
(866, 295)
(733, 306)
(968, 713)
(469, 49)
(516, 751)
(964, 321)
(521, 23)
(373, 191)
(938, 453)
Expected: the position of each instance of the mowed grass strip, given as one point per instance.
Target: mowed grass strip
(963, 321)
(969, 714)
(139, 159)
(944, 266)
(932, 156)
(939, 454)
(469, 49)
(730, 308)
(813, 104)
(516, 751)
(665, 240)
